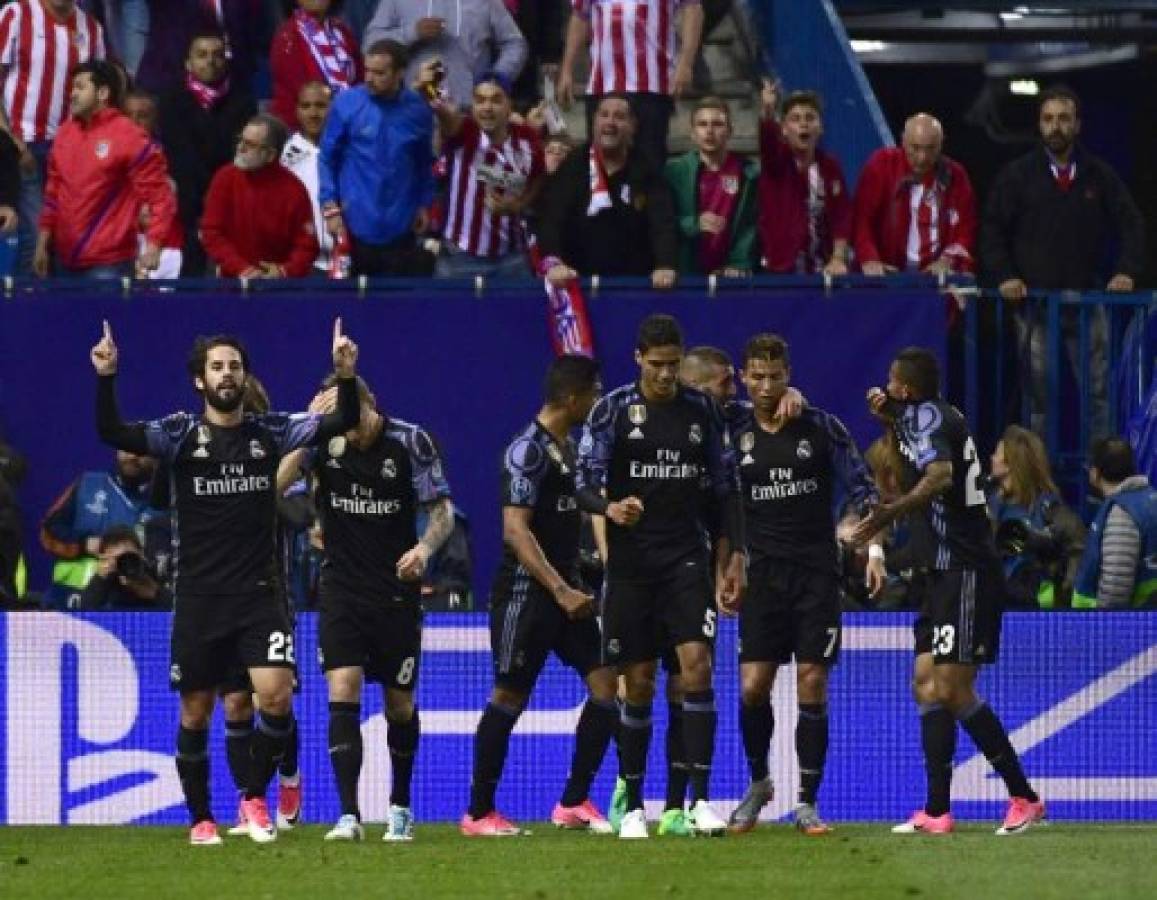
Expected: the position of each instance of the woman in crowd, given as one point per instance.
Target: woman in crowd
(1039, 537)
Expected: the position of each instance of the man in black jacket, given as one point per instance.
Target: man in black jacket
(1051, 219)
(606, 211)
(200, 120)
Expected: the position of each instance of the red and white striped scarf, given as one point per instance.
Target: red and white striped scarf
(600, 184)
(325, 43)
(207, 94)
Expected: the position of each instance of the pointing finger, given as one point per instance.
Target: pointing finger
(107, 330)
(337, 333)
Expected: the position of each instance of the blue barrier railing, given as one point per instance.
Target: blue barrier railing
(996, 344)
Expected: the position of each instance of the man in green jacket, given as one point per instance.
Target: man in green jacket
(715, 197)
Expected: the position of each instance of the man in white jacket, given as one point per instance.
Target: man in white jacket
(300, 157)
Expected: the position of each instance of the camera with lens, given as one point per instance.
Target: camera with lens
(131, 566)
(1019, 537)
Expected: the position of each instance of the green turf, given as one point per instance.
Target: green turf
(856, 861)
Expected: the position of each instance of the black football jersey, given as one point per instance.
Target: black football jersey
(791, 481)
(367, 501)
(538, 473)
(223, 488)
(675, 456)
(960, 534)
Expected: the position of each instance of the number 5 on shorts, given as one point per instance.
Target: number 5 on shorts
(709, 623)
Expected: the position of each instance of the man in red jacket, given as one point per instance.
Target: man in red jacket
(258, 221)
(805, 211)
(914, 207)
(101, 170)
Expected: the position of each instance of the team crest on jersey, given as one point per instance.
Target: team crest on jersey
(730, 184)
(337, 445)
(102, 148)
(804, 449)
(256, 451)
(746, 442)
(389, 469)
(835, 189)
(637, 413)
(695, 435)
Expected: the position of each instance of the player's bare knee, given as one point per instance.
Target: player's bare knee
(812, 683)
(603, 685)
(755, 681)
(237, 705)
(196, 710)
(640, 688)
(399, 705)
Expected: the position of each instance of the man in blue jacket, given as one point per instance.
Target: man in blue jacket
(376, 180)
(1119, 568)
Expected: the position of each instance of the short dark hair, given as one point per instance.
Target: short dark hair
(1113, 458)
(119, 534)
(288, 7)
(202, 346)
(920, 370)
(767, 347)
(803, 98)
(709, 355)
(139, 93)
(276, 134)
(103, 75)
(712, 102)
(568, 375)
(1060, 92)
(658, 330)
(398, 54)
(205, 34)
(618, 95)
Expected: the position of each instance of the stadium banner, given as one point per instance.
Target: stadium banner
(87, 724)
(468, 367)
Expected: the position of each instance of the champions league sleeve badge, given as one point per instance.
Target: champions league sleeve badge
(203, 438)
(746, 445)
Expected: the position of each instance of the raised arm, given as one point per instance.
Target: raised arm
(113, 430)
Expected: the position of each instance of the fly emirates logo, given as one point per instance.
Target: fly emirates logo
(362, 502)
(783, 485)
(232, 480)
(666, 467)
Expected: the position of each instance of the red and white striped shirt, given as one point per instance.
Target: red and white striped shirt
(37, 52)
(475, 164)
(633, 45)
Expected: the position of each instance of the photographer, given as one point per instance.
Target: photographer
(123, 578)
(1039, 538)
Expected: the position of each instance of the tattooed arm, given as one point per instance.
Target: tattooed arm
(412, 565)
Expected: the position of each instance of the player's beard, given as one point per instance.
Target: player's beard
(225, 404)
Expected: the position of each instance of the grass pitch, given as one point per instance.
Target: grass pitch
(1060, 860)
